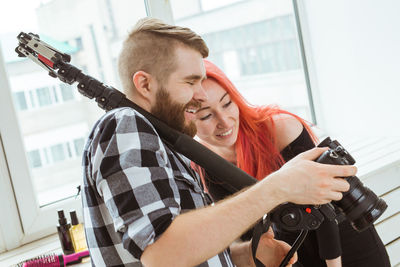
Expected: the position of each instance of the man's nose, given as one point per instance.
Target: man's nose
(200, 94)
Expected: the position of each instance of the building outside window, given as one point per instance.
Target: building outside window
(258, 52)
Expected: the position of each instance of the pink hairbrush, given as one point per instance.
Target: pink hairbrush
(54, 260)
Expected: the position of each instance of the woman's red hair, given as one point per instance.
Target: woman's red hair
(256, 149)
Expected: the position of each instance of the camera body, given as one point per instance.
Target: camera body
(293, 217)
(359, 204)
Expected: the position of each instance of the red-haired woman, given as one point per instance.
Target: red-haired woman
(259, 140)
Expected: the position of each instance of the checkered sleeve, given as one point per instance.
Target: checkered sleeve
(131, 173)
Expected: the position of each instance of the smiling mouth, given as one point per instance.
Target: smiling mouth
(192, 107)
(191, 110)
(226, 133)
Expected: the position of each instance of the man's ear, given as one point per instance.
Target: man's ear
(143, 83)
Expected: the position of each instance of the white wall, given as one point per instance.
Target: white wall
(353, 48)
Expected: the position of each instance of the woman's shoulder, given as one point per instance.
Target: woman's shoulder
(287, 128)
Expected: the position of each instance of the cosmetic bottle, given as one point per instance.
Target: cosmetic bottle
(77, 233)
(63, 228)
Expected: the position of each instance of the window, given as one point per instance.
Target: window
(51, 155)
(78, 146)
(258, 52)
(66, 92)
(46, 122)
(20, 101)
(43, 96)
(34, 159)
(58, 152)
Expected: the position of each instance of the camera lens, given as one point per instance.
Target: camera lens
(361, 206)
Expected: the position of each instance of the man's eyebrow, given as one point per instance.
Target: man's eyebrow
(195, 77)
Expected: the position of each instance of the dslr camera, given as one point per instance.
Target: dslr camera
(359, 204)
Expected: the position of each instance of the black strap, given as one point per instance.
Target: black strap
(261, 227)
(300, 239)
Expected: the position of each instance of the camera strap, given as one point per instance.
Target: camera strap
(261, 227)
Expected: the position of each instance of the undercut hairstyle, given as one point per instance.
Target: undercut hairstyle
(150, 47)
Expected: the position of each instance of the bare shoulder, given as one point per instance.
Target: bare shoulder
(288, 128)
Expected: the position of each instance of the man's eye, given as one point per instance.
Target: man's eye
(227, 104)
(205, 117)
(191, 83)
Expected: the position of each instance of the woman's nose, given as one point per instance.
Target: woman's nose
(223, 121)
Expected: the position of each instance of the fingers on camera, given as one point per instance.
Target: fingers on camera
(341, 185)
(341, 170)
(314, 153)
(336, 196)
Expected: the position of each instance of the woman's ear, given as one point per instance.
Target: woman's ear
(142, 82)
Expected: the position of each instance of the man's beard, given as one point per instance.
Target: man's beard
(172, 113)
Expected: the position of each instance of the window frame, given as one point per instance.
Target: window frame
(307, 62)
(11, 227)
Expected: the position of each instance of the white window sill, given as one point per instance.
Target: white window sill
(44, 246)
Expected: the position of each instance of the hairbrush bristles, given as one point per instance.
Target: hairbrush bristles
(50, 260)
(54, 260)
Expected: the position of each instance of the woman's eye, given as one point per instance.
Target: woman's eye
(227, 104)
(205, 117)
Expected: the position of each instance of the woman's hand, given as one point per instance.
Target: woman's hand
(271, 252)
(334, 262)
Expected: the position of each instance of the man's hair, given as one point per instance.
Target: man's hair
(150, 47)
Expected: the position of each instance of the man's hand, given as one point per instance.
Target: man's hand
(271, 252)
(304, 181)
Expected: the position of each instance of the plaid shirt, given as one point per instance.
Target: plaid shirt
(133, 187)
